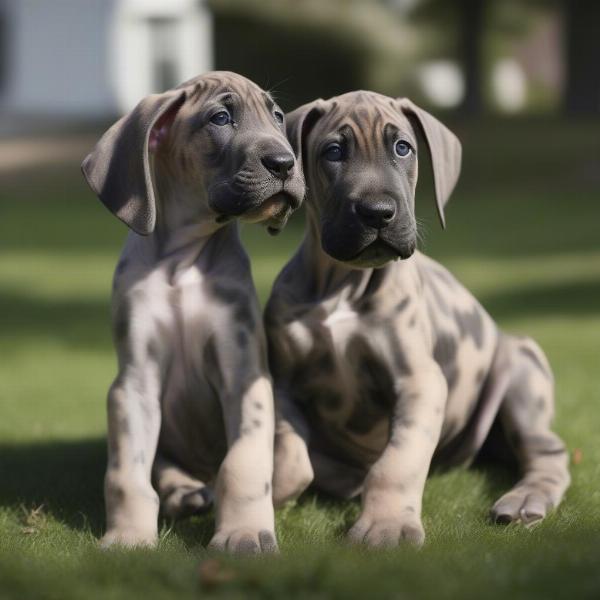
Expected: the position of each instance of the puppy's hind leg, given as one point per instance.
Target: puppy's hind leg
(293, 471)
(526, 415)
(181, 495)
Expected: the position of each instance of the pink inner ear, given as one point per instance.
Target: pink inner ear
(157, 136)
(160, 131)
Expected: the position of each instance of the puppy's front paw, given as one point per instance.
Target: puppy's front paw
(129, 538)
(387, 532)
(245, 540)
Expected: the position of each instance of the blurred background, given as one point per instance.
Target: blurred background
(93, 59)
(517, 80)
(73, 66)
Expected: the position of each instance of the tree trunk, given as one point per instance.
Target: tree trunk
(582, 45)
(472, 17)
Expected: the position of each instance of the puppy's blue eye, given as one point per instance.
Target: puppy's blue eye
(402, 148)
(221, 118)
(333, 153)
(278, 116)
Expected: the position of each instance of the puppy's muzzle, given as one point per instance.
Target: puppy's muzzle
(393, 233)
(272, 194)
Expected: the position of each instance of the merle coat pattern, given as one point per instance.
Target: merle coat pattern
(382, 365)
(190, 413)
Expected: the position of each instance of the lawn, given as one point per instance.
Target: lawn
(523, 233)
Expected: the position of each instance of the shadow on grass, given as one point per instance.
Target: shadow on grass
(65, 477)
(565, 299)
(78, 323)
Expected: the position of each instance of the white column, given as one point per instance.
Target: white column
(133, 48)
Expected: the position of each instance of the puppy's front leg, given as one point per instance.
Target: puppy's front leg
(133, 428)
(393, 490)
(245, 521)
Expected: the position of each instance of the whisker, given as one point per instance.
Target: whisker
(421, 232)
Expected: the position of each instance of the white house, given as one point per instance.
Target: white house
(95, 58)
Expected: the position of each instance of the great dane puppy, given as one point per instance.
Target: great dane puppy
(192, 403)
(380, 365)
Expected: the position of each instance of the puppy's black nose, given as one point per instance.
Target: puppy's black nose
(376, 214)
(278, 164)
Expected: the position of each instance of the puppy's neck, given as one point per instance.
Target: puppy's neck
(183, 220)
(329, 278)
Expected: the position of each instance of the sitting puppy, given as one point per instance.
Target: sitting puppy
(192, 403)
(380, 366)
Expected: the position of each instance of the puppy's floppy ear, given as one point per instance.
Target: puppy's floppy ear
(445, 151)
(119, 170)
(299, 123)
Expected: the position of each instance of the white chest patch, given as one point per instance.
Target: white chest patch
(344, 313)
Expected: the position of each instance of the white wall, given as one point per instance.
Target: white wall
(93, 58)
(58, 64)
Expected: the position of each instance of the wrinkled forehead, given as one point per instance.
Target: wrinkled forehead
(366, 117)
(223, 83)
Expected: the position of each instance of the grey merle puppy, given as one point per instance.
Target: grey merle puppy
(381, 365)
(190, 413)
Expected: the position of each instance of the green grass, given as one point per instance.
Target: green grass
(522, 234)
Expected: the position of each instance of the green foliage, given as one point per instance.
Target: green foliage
(315, 48)
(522, 234)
